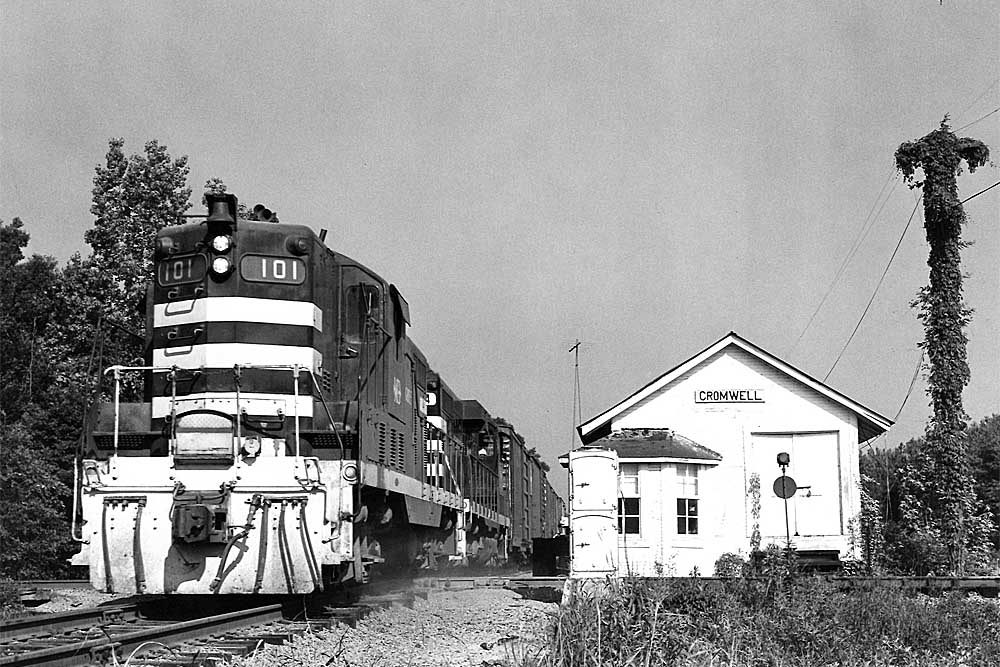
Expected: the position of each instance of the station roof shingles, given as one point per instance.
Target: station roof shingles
(654, 445)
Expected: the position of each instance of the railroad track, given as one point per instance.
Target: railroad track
(106, 635)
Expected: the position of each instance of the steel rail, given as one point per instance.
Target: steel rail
(100, 649)
(52, 623)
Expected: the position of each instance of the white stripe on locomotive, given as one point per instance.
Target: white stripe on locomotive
(238, 309)
(227, 355)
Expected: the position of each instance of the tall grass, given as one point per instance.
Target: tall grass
(10, 600)
(768, 621)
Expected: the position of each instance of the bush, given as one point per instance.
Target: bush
(730, 565)
(34, 523)
(769, 620)
(10, 600)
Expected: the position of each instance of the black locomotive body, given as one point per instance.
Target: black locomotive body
(291, 434)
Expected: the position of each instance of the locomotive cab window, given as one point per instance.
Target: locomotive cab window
(362, 303)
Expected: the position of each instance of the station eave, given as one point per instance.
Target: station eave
(870, 423)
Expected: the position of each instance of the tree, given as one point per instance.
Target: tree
(26, 311)
(984, 456)
(942, 501)
(133, 198)
(33, 529)
(53, 350)
(913, 548)
(13, 240)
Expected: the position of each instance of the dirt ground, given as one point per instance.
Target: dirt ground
(482, 627)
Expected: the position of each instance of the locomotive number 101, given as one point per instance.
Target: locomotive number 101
(266, 269)
(179, 270)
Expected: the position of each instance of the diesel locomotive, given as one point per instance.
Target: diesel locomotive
(290, 435)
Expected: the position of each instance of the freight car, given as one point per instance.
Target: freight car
(290, 435)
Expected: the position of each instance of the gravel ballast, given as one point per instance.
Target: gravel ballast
(482, 627)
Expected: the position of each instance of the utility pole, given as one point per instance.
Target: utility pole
(944, 486)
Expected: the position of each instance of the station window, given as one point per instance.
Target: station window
(687, 500)
(628, 499)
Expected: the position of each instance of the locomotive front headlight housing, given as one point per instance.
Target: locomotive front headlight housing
(222, 243)
(251, 446)
(297, 245)
(221, 266)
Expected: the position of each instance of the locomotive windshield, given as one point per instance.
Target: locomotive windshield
(362, 301)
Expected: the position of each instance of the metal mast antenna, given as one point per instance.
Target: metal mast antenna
(577, 418)
(577, 402)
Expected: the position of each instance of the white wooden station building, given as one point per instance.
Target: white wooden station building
(663, 483)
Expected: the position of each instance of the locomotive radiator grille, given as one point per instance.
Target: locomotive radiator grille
(382, 454)
(397, 450)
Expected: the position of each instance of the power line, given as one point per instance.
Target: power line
(967, 125)
(861, 319)
(980, 96)
(869, 221)
(980, 192)
(855, 246)
(913, 381)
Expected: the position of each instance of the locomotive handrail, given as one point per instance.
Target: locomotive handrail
(295, 369)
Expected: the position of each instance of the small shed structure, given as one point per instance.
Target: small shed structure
(688, 467)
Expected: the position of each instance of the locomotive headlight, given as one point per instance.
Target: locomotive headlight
(222, 243)
(251, 446)
(350, 472)
(297, 245)
(221, 266)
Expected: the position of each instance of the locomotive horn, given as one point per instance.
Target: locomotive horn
(221, 208)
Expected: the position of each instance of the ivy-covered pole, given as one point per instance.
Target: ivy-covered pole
(944, 480)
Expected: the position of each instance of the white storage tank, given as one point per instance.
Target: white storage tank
(593, 512)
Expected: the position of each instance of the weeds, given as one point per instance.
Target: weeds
(777, 619)
(10, 600)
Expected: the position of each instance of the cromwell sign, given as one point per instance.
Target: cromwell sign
(729, 396)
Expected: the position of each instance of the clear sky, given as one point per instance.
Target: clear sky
(644, 177)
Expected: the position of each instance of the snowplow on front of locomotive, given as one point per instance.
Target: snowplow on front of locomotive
(272, 365)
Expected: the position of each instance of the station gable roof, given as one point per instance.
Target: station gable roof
(870, 423)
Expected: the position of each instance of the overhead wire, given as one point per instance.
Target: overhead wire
(920, 361)
(896, 249)
(913, 381)
(877, 286)
(980, 192)
(981, 118)
(862, 235)
(855, 246)
(979, 97)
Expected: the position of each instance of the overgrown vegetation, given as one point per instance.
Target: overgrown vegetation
(939, 504)
(58, 327)
(778, 619)
(10, 600)
(892, 545)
